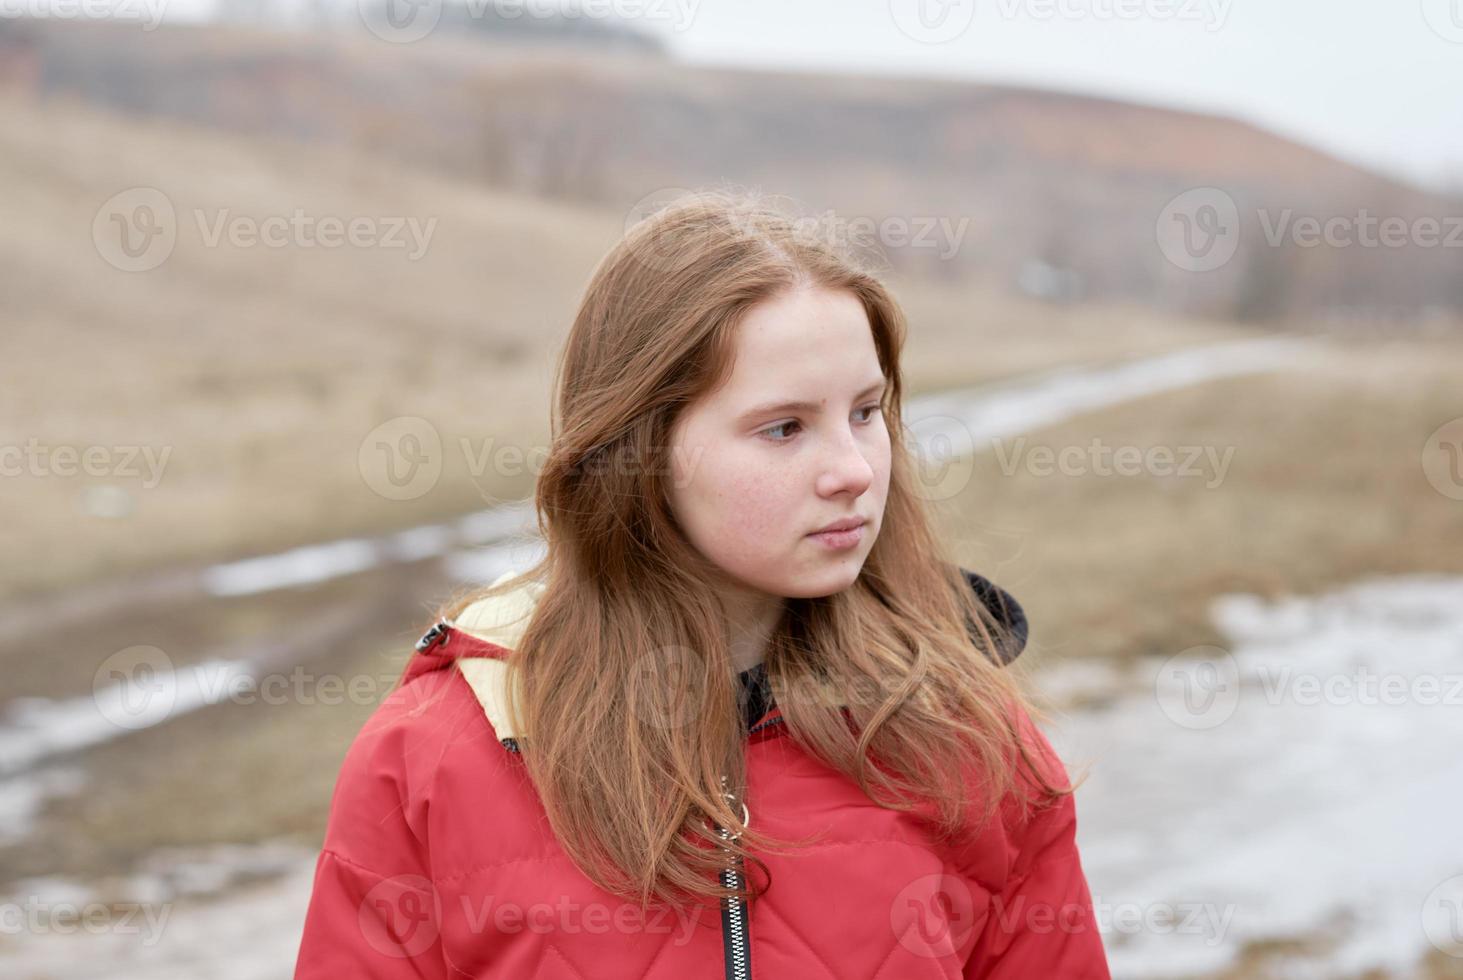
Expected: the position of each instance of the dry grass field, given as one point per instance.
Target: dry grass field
(253, 374)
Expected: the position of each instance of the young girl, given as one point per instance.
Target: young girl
(745, 718)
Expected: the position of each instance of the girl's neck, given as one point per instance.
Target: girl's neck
(750, 622)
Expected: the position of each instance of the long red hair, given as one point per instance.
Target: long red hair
(628, 697)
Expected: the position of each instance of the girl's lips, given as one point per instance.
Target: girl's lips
(840, 539)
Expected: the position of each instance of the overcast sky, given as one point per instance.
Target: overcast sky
(1379, 82)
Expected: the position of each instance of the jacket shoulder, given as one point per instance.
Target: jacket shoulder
(381, 804)
(1028, 819)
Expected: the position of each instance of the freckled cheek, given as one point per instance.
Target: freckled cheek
(755, 501)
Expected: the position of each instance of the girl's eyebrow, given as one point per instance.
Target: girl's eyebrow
(776, 408)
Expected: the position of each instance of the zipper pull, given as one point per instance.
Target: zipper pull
(746, 814)
(431, 637)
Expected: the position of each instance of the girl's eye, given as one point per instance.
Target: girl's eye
(780, 425)
(872, 409)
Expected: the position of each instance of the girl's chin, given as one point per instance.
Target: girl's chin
(833, 576)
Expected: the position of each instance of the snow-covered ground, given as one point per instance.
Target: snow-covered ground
(1304, 781)
(225, 913)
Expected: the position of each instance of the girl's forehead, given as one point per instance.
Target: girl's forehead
(778, 346)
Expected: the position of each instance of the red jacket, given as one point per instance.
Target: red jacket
(438, 861)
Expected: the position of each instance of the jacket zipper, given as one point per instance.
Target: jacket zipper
(735, 941)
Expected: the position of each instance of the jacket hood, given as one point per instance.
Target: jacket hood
(490, 628)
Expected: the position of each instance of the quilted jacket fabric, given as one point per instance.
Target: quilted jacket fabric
(438, 861)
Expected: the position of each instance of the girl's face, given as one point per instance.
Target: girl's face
(794, 441)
